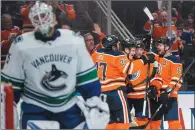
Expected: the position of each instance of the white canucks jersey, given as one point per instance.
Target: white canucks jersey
(48, 73)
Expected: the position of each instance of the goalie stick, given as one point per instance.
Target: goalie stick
(145, 125)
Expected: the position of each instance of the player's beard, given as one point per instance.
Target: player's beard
(162, 53)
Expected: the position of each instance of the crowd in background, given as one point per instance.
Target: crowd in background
(15, 21)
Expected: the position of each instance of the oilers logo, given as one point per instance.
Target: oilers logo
(159, 70)
(54, 80)
(135, 75)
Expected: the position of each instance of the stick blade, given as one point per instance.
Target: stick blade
(138, 127)
(148, 13)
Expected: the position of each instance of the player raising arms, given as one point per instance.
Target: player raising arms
(47, 67)
(112, 65)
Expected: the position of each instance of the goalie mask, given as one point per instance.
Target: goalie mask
(41, 16)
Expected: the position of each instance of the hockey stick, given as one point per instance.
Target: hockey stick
(148, 13)
(147, 83)
(145, 125)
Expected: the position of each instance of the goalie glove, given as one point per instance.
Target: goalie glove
(96, 111)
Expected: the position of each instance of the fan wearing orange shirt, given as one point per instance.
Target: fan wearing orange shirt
(170, 69)
(161, 30)
(24, 11)
(112, 65)
(8, 34)
(69, 8)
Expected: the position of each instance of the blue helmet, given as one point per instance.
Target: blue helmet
(109, 41)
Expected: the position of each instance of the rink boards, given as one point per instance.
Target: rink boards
(186, 110)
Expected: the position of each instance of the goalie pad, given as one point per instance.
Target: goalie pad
(36, 125)
(96, 111)
(16, 117)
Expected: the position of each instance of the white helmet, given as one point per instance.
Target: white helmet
(41, 16)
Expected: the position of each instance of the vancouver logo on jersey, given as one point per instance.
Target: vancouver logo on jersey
(54, 80)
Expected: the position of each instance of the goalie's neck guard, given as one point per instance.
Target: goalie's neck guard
(39, 36)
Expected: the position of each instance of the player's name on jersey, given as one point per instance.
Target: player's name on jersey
(51, 58)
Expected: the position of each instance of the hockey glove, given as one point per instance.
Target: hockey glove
(96, 111)
(130, 89)
(152, 92)
(148, 58)
(164, 96)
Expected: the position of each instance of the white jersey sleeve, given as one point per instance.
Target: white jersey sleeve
(13, 71)
(88, 82)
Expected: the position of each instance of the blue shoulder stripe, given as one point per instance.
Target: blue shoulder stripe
(113, 53)
(173, 58)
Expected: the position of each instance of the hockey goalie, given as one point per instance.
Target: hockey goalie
(48, 68)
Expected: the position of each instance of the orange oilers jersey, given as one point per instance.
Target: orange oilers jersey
(27, 25)
(175, 47)
(170, 69)
(24, 13)
(112, 67)
(98, 46)
(138, 74)
(147, 25)
(161, 31)
(4, 38)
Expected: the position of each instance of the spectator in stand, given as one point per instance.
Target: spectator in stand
(191, 21)
(176, 17)
(60, 15)
(69, 9)
(92, 44)
(8, 34)
(161, 30)
(89, 42)
(24, 11)
(188, 30)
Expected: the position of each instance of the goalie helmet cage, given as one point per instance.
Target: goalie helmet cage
(7, 110)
